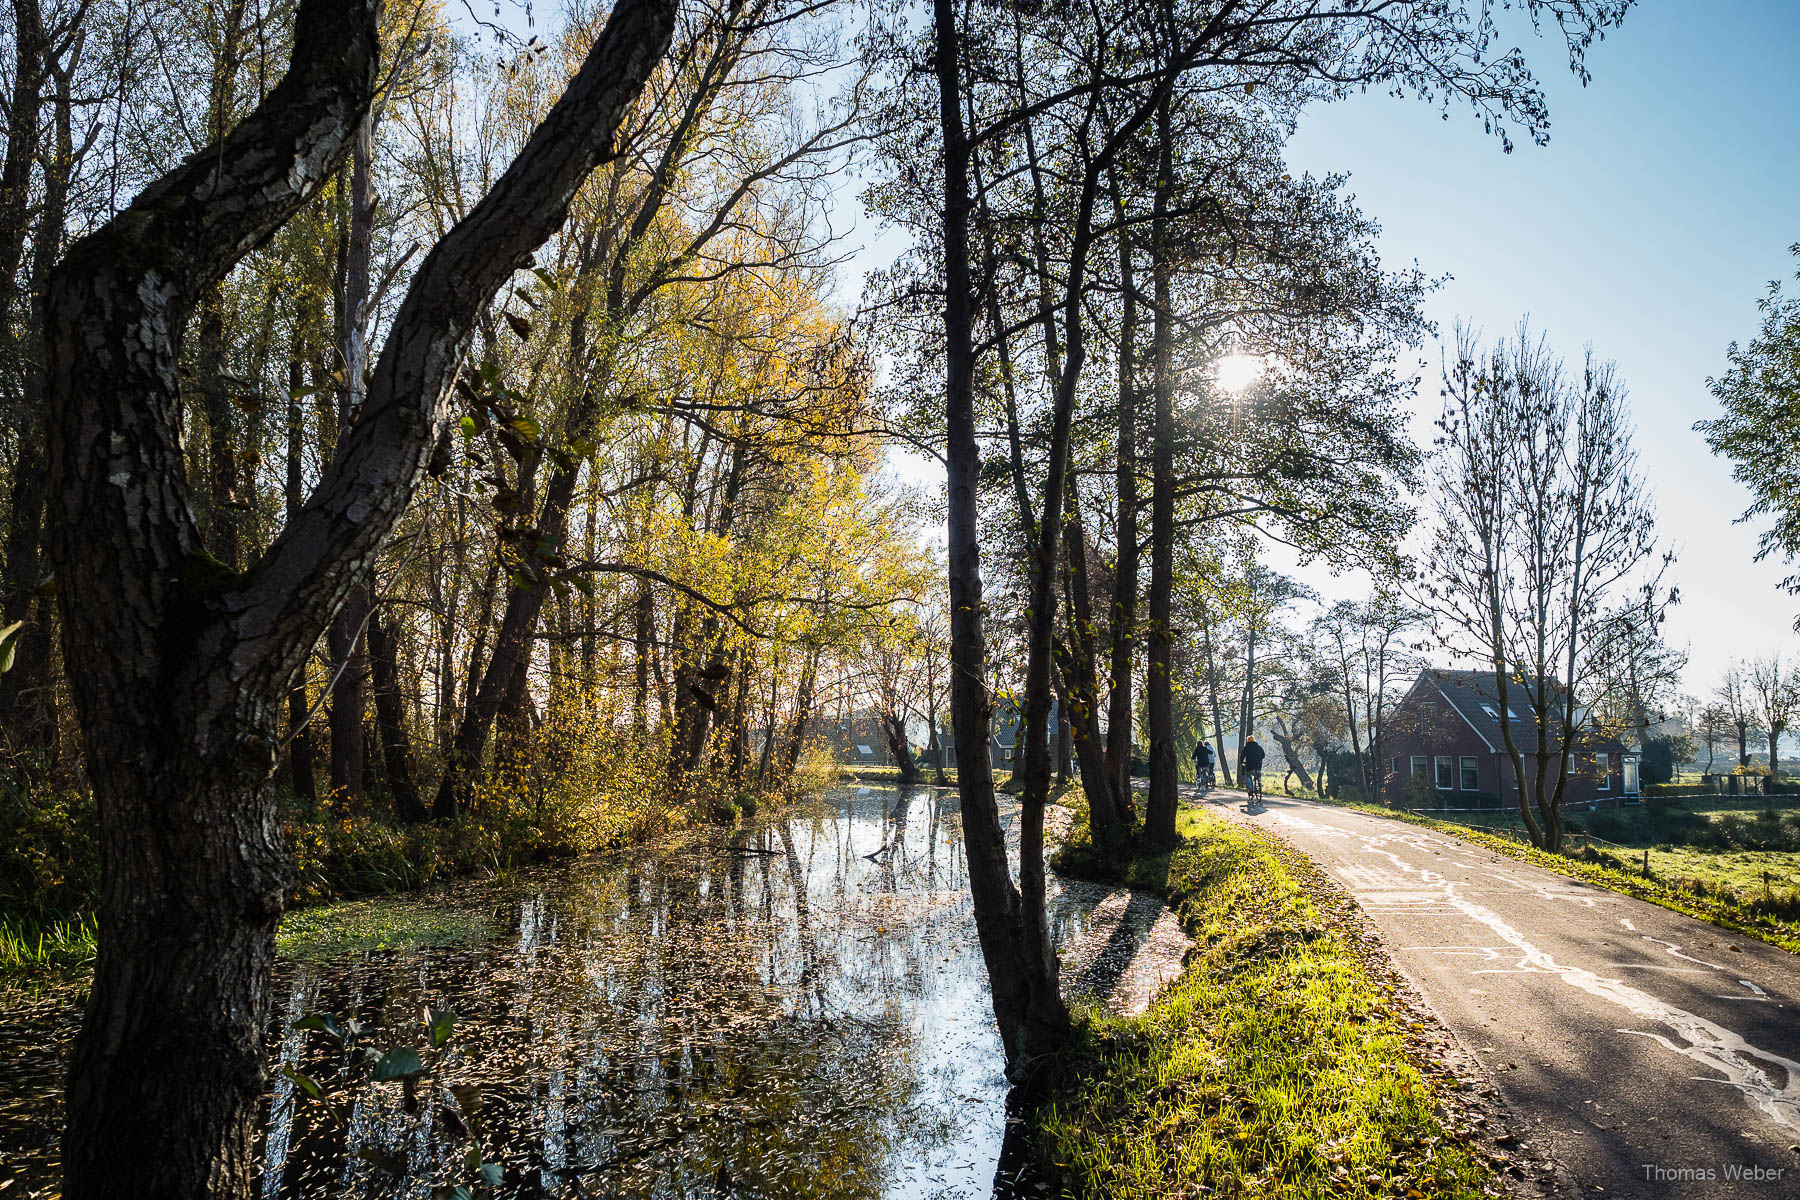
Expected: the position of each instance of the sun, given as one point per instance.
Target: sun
(1236, 372)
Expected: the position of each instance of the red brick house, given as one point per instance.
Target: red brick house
(1446, 731)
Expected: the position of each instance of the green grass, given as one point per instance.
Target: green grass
(58, 946)
(1277, 1064)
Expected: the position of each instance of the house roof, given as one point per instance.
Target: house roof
(1476, 698)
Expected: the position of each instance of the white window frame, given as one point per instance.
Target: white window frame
(1464, 764)
(1603, 769)
(1491, 711)
(1443, 775)
(1421, 765)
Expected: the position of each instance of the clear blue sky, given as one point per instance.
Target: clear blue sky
(1665, 201)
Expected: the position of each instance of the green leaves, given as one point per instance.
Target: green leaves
(9, 645)
(438, 1024)
(302, 1080)
(402, 1062)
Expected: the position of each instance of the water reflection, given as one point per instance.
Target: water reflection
(795, 1010)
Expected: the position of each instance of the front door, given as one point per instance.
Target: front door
(1630, 764)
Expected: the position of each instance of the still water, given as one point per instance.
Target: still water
(795, 1010)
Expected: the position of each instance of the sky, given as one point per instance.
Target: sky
(1649, 226)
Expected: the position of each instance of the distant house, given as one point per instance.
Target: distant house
(1447, 733)
(1003, 736)
(855, 738)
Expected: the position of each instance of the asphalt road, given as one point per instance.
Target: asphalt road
(1653, 1054)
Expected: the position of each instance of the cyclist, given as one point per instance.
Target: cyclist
(1203, 766)
(1250, 761)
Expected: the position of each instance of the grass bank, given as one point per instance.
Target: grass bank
(1278, 1064)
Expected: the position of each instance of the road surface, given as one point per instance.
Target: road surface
(1655, 1055)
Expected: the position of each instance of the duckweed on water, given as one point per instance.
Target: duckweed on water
(357, 926)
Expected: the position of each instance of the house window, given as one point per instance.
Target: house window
(1471, 773)
(1446, 776)
(1603, 769)
(1396, 768)
(1421, 766)
(1491, 711)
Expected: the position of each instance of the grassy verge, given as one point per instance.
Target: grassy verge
(1276, 1064)
(1769, 915)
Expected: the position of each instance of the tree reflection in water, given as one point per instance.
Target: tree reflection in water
(794, 1010)
(797, 1010)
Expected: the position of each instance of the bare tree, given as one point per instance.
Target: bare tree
(1543, 527)
(1777, 693)
(1710, 722)
(1362, 648)
(1737, 706)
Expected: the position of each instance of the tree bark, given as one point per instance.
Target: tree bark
(1121, 715)
(27, 707)
(998, 923)
(299, 738)
(350, 671)
(178, 665)
(1212, 687)
(1109, 824)
(1159, 809)
(390, 720)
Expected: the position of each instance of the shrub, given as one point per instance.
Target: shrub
(1657, 763)
(49, 853)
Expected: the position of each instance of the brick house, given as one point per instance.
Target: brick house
(1447, 731)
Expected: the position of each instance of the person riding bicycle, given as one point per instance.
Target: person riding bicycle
(1250, 761)
(1203, 765)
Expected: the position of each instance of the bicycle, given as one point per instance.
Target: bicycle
(1208, 781)
(1252, 781)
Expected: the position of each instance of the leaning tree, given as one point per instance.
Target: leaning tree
(179, 664)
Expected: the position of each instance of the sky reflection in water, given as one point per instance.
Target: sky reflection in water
(769, 1013)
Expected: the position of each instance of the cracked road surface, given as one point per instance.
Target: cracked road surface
(1656, 1055)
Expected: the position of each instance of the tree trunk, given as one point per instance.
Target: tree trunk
(27, 707)
(1159, 809)
(350, 667)
(1121, 716)
(299, 737)
(179, 665)
(1284, 738)
(893, 731)
(1212, 687)
(1108, 820)
(998, 923)
(390, 720)
(23, 129)
(1064, 748)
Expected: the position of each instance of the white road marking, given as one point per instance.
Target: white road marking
(1743, 1066)
(1674, 948)
(1753, 987)
(1628, 924)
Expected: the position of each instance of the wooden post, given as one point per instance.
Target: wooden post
(1646, 863)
